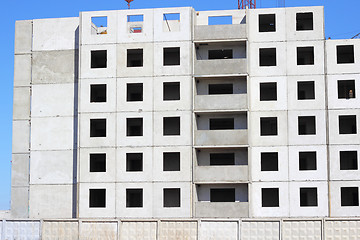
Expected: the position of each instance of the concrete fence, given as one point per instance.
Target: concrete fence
(205, 229)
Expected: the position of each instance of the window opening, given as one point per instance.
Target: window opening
(171, 126)
(270, 197)
(134, 92)
(172, 56)
(134, 162)
(97, 127)
(220, 20)
(98, 25)
(221, 123)
(98, 58)
(171, 197)
(268, 91)
(220, 54)
(348, 160)
(345, 54)
(222, 195)
(134, 57)
(222, 159)
(267, 57)
(347, 124)
(304, 21)
(268, 126)
(346, 89)
(267, 23)
(134, 127)
(97, 162)
(171, 161)
(226, 88)
(307, 161)
(305, 56)
(349, 196)
(306, 125)
(306, 90)
(134, 198)
(269, 161)
(97, 93)
(308, 197)
(97, 198)
(171, 91)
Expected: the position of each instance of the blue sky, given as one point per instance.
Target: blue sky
(341, 21)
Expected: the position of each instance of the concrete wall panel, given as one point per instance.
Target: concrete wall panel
(55, 34)
(21, 103)
(20, 202)
(60, 230)
(342, 230)
(335, 172)
(138, 230)
(54, 67)
(20, 170)
(21, 136)
(22, 70)
(23, 36)
(332, 88)
(218, 230)
(296, 230)
(260, 230)
(334, 135)
(22, 230)
(98, 230)
(335, 205)
(178, 230)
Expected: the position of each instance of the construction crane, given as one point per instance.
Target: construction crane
(356, 36)
(242, 4)
(128, 3)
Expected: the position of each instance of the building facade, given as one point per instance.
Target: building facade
(173, 113)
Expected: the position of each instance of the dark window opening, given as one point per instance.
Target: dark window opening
(171, 91)
(268, 126)
(220, 20)
(134, 58)
(268, 91)
(171, 197)
(171, 161)
(98, 59)
(134, 198)
(307, 161)
(270, 197)
(171, 56)
(306, 90)
(221, 123)
(98, 93)
(345, 54)
(97, 127)
(221, 54)
(304, 21)
(346, 89)
(348, 160)
(306, 125)
(226, 88)
(171, 126)
(97, 198)
(349, 196)
(267, 57)
(305, 56)
(222, 159)
(267, 23)
(347, 124)
(222, 195)
(308, 197)
(97, 162)
(134, 162)
(134, 92)
(134, 127)
(269, 161)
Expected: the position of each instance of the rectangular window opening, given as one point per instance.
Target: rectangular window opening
(269, 161)
(349, 196)
(225, 88)
(134, 92)
(222, 159)
(134, 198)
(267, 23)
(268, 91)
(171, 126)
(97, 162)
(220, 20)
(135, 18)
(305, 56)
(348, 160)
(171, 91)
(307, 161)
(222, 195)
(306, 125)
(98, 59)
(308, 197)
(134, 162)
(306, 90)
(345, 54)
(98, 25)
(171, 22)
(171, 161)
(97, 198)
(347, 124)
(171, 56)
(172, 197)
(270, 197)
(221, 123)
(97, 127)
(134, 57)
(220, 54)
(267, 57)
(304, 21)
(268, 126)
(346, 89)
(134, 127)
(97, 93)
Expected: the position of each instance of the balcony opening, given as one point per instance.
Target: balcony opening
(98, 58)
(267, 23)
(134, 198)
(307, 161)
(306, 125)
(171, 126)
(305, 56)
(220, 20)
(270, 197)
(97, 127)
(171, 161)
(220, 54)
(222, 195)
(97, 162)
(308, 197)
(347, 124)
(221, 123)
(306, 90)
(134, 92)
(267, 57)
(97, 93)
(97, 198)
(268, 91)
(134, 162)
(349, 196)
(226, 88)
(268, 126)
(98, 25)
(172, 56)
(222, 159)
(346, 89)
(171, 22)
(171, 197)
(345, 54)
(348, 160)
(134, 127)
(304, 21)
(134, 57)
(171, 91)
(269, 161)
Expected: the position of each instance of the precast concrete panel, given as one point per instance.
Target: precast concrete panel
(334, 132)
(218, 230)
(333, 92)
(298, 230)
(20, 170)
(22, 70)
(23, 36)
(21, 136)
(21, 104)
(172, 230)
(339, 230)
(25, 230)
(98, 230)
(260, 230)
(336, 173)
(60, 230)
(20, 202)
(138, 230)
